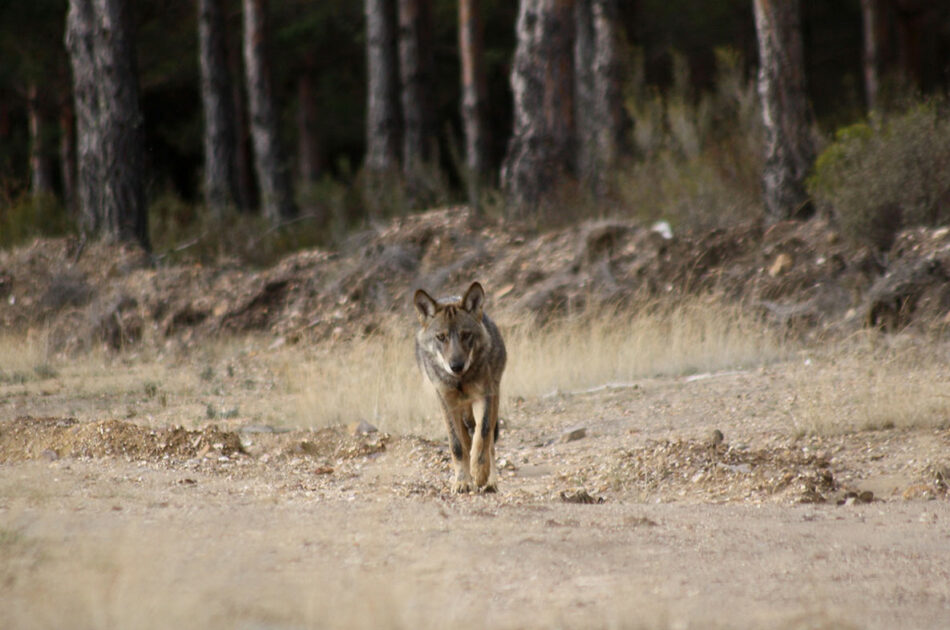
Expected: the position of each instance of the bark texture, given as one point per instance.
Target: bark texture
(382, 90)
(474, 95)
(270, 161)
(415, 73)
(598, 96)
(540, 153)
(220, 183)
(790, 150)
(80, 36)
(110, 126)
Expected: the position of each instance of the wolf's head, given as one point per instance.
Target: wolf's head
(452, 332)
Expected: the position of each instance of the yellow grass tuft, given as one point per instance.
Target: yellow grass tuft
(876, 383)
(23, 357)
(597, 349)
(372, 378)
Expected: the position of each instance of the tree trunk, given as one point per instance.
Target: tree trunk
(122, 126)
(269, 158)
(67, 156)
(541, 149)
(474, 96)
(80, 35)
(309, 163)
(598, 96)
(415, 71)
(110, 129)
(220, 184)
(789, 147)
(871, 22)
(382, 107)
(41, 176)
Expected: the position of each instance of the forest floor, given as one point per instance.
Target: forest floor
(189, 481)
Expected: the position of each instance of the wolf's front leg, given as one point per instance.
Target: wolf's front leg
(483, 446)
(459, 444)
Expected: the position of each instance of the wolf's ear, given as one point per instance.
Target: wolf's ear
(474, 299)
(424, 304)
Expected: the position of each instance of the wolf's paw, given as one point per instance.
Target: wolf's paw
(490, 488)
(462, 486)
(481, 472)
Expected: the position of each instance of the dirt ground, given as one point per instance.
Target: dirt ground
(171, 485)
(619, 506)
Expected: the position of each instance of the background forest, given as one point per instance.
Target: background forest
(692, 147)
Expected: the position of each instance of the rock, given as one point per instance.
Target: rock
(361, 428)
(257, 428)
(715, 438)
(49, 455)
(572, 435)
(782, 263)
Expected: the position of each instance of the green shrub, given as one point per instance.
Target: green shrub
(881, 175)
(32, 216)
(186, 231)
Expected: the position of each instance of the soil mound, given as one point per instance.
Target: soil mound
(802, 275)
(51, 438)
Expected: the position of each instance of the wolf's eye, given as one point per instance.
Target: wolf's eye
(440, 338)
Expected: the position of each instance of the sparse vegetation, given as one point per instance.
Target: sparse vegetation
(699, 154)
(872, 384)
(887, 173)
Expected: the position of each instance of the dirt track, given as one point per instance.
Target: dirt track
(117, 524)
(163, 487)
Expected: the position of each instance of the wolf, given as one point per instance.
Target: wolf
(461, 352)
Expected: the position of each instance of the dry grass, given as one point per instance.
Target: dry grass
(372, 378)
(864, 383)
(23, 358)
(596, 349)
(873, 383)
(376, 379)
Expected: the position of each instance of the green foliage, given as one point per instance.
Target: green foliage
(30, 217)
(899, 166)
(185, 231)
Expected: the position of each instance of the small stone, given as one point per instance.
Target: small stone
(49, 455)
(782, 263)
(572, 435)
(715, 438)
(257, 428)
(362, 428)
(866, 496)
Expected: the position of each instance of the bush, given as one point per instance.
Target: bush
(879, 176)
(32, 216)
